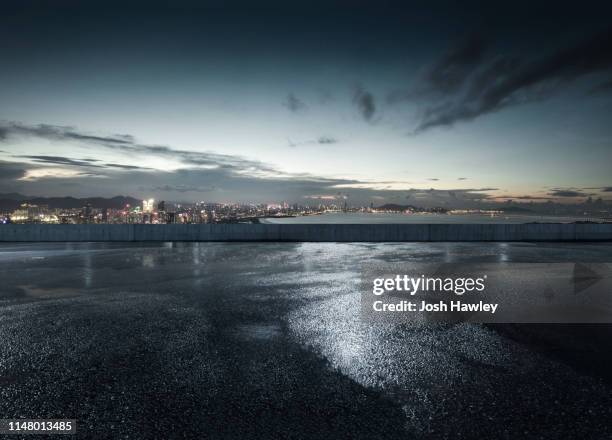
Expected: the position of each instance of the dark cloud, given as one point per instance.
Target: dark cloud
(125, 167)
(127, 144)
(327, 140)
(457, 197)
(61, 160)
(461, 193)
(222, 177)
(294, 104)
(221, 184)
(433, 179)
(523, 197)
(483, 189)
(449, 73)
(88, 163)
(461, 178)
(235, 175)
(607, 189)
(505, 82)
(57, 132)
(604, 87)
(567, 193)
(365, 103)
(11, 171)
(497, 70)
(180, 188)
(224, 185)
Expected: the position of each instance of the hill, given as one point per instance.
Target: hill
(13, 200)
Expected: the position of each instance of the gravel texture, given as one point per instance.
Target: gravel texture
(236, 340)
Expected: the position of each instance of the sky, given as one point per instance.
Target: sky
(431, 103)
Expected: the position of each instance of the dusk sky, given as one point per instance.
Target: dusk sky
(299, 101)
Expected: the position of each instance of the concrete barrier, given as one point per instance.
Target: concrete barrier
(309, 232)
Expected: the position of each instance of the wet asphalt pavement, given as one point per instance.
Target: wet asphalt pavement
(239, 341)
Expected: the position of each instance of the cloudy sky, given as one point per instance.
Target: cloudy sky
(436, 102)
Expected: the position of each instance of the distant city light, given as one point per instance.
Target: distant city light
(148, 205)
(205, 212)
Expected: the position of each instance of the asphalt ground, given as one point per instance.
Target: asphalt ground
(247, 340)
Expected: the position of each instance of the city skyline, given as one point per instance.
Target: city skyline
(426, 106)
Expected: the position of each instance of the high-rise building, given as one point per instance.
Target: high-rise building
(148, 206)
(87, 213)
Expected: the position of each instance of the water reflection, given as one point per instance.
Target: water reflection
(502, 252)
(88, 270)
(148, 261)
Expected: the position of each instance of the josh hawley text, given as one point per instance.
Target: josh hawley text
(454, 306)
(413, 285)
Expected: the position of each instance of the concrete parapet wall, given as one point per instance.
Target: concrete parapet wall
(309, 232)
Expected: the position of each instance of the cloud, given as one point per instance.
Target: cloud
(179, 188)
(58, 132)
(505, 81)
(604, 87)
(61, 160)
(462, 178)
(11, 171)
(128, 145)
(433, 179)
(322, 140)
(365, 103)
(125, 167)
(327, 140)
(324, 197)
(45, 173)
(235, 176)
(87, 163)
(567, 193)
(523, 197)
(450, 72)
(221, 177)
(607, 189)
(221, 184)
(470, 193)
(294, 104)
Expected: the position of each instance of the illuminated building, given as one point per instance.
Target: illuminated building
(148, 206)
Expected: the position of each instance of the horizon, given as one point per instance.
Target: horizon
(313, 202)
